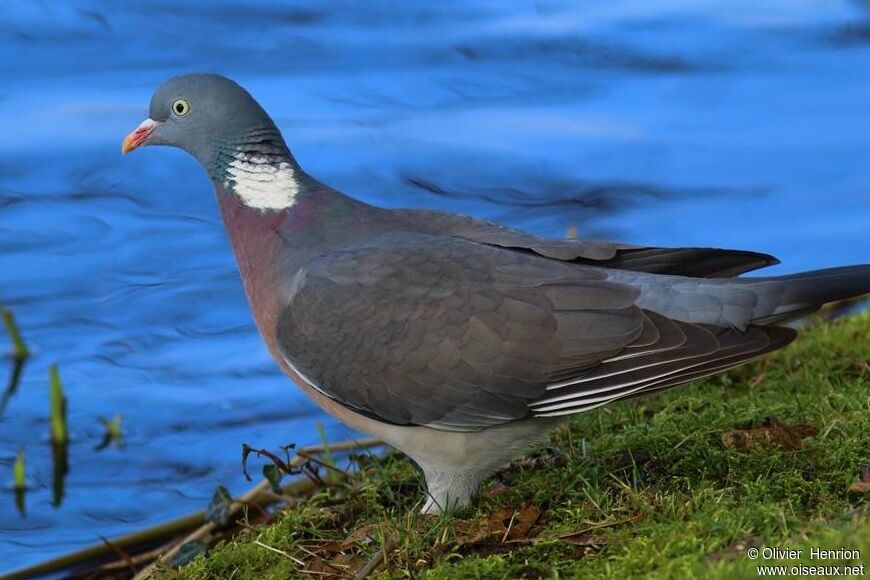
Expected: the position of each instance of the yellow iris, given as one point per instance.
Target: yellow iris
(180, 107)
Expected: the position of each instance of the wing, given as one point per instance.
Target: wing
(693, 262)
(418, 329)
(440, 331)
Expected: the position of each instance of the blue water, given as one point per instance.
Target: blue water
(739, 124)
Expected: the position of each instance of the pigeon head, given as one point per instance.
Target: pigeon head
(195, 113)
(228, 132)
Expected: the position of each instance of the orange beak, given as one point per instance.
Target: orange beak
(139, 135)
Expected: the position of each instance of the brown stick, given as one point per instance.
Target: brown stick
(374, 562)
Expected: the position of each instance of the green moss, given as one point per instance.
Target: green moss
(690, 505)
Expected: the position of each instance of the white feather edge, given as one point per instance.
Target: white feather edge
(571, 382)
(577, 405)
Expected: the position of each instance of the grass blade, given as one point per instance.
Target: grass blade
(18, 479)
(58, 407)
(19, 483)
(331, 474)
(20, 351)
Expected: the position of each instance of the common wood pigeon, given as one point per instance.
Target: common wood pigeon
(453, 339)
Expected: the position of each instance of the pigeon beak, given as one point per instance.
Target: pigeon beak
(139, 135)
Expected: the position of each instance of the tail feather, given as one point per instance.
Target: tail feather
(741, 302)
(807, 292)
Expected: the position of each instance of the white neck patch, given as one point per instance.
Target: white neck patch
(261, 182)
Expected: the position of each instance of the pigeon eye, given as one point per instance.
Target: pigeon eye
(180, 107)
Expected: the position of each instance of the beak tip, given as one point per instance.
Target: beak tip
(138, 137)
(129, 144)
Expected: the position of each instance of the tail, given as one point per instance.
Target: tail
(805, 293)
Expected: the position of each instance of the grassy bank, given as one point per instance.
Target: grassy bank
(678, 485)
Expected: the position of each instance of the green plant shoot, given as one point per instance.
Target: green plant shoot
(327, 455)
(20, 350)
(19, 482)
(58, 407)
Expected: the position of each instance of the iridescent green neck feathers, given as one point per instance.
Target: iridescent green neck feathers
(258, 168)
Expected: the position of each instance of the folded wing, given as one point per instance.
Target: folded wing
(416, 329)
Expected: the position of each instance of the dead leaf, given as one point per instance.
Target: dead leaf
(520, 526)
(343, 558)
(771, 431)
(331, 547)
(469, 533)
(365, 534)
(511, 524)
(863, 483)
(322, 568)
(348, 562)
(471, 539)
(506, 525)
(860, 487)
